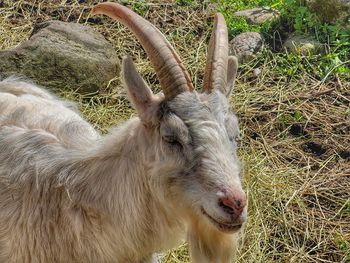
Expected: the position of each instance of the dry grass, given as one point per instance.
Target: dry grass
(295, 130)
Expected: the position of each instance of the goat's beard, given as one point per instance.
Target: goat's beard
(209, 244)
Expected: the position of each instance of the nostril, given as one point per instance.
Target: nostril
(238, 204)
(232, 205)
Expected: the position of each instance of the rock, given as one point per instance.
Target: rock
(302, 45)
(345, 2)
(60, 54)
(246, 45)
(330, 11)
(256, 72)
(258, 15)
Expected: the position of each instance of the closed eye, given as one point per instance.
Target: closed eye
(172, 141)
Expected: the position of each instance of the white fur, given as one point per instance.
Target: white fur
(69, 195)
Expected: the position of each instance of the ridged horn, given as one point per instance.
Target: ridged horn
(171, 73)
(215, 75)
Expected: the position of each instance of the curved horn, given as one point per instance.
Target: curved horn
(171, 73)
(215, 75)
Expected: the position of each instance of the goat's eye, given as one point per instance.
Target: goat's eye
(172, 140)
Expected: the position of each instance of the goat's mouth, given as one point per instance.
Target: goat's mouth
(228, 228)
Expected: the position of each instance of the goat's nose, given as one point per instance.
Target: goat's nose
(233, 202)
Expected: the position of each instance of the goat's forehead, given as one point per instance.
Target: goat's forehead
(191, 106)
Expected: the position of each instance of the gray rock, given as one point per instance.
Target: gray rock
(246, 45)
(330, 11)
(302, 45)
(258, 15)
(60, 54)
(256, 72)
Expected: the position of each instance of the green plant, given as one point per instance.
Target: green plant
(344, 246)
(299, 18)
(186, 2)
(139, 6)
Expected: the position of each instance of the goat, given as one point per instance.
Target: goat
(69, 194)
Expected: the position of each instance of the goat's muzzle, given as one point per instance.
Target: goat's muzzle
(232, 204)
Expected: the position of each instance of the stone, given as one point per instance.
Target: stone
(302, 45)
(246, 45)
(331, 11)
(60, 54)
(345, 2)
(256, 72)
(258, 15)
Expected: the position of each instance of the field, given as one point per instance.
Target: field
(294, 116)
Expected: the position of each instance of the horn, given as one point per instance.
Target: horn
(171, 73)
(215, 75)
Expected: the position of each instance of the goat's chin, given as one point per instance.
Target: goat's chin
(221, 226)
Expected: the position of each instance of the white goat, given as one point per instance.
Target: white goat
(69, 195)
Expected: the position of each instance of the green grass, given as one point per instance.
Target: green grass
(298, 19)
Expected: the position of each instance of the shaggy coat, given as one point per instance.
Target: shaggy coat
(69, 195)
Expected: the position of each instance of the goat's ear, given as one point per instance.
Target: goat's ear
(140, 95)
(232, 68)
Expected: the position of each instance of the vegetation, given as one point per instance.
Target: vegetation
(294, 116)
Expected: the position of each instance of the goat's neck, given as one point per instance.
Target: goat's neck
(115, 181)
(116, 172)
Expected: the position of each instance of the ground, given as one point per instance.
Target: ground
(294, 117)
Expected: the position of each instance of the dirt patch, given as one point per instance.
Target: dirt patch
(314, 148)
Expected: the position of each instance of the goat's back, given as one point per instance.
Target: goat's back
(24, 105)
(39, 134)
